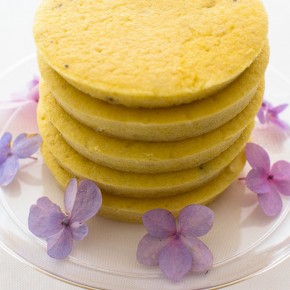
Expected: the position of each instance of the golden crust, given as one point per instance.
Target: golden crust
(131, 210)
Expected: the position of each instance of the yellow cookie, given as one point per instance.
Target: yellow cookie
(167, 124)
(132, 209)
(146, 157)
(150, 53)
(136, 184)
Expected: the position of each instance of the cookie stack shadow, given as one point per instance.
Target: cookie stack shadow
(148, 155)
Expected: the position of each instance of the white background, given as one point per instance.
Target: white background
(16, 42)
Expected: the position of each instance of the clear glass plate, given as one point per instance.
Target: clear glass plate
(243, 240)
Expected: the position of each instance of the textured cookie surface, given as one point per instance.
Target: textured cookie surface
(150, 53)
(146, 157)
(167, 124)
(136, 184)
(131, 210)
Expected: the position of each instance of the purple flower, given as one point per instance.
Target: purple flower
(47, 221)
(174, 245)
(266, 180)
(269, 114)
(23, 147)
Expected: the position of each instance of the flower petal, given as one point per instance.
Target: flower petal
(34, 82)
(79, 231)
(257, 181)
(8, 170)
(281, 170)
(282, 186)
(160, 223)
(277, 110)
(25, 145)
(70, 195)
(281, 124)
(257, 156)
(33, 94)
(202, 258)
(281, 176)
(45, 218)
(149, 248)
(261, 116)
(267, 105)
(59, 246)
(195, 220)
(270, 203)
(5, 149)
(88, 201)
(175, 260)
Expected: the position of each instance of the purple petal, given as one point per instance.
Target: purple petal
(257, 181)
(34, 82)
(160, 223)
(277, 110)
(88, 201)
(202, 258)
(45, 218)
(25, 145)
(33, 94)
(79, 231)
(281, 170)
(281, 124)
(175, 260)
(5, 143)
(257, 156)
(149, 248)
(281, 176)
(195, 220)
(70, 195)
(261, 116)
(8, 170)
(282, 186)
(270, 203)
(59, 246)
(266, 105)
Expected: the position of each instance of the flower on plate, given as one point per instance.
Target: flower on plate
(270, 114)
(46, 220)
(174, 245)
(266, 180)
(23, 147)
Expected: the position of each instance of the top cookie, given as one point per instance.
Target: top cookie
(150, 53)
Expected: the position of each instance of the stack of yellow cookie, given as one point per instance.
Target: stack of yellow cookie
(153, 100)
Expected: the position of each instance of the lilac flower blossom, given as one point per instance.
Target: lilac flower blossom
(81, 202)
(174, 245)
(266, 180)
(270, 114)
(23, 147)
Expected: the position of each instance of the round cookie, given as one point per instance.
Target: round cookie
(150, 53)
(131, 184)
(146, 157)
(169, 124)
(132, 209)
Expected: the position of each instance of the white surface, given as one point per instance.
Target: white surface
(16, 43)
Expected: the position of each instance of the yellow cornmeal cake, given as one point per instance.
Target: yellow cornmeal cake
(150, 53)
(146, 157)
(131, 210)
(136, 184)
(167, 124)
